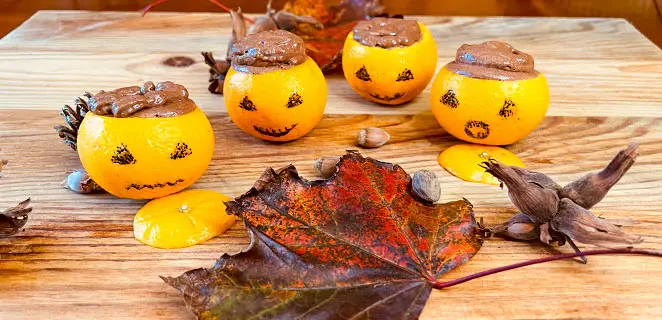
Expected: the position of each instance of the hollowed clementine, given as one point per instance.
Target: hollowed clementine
(392, 75)
(491, 112)
(145, 158)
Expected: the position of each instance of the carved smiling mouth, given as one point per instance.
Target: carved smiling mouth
(274, 132)
(387, 98)
(154, 186)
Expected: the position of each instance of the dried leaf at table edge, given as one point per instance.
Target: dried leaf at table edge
(14, 218)
(298, 260)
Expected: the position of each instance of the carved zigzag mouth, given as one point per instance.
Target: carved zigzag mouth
(274, 132)
(387, 98)
(154, 186)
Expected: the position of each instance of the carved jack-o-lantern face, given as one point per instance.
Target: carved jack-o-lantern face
(280, 105)
(145, 158)
(390, 75)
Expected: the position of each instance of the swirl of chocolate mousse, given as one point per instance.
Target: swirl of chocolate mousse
(493, 60)
(267, 51)
(164, 100)
(387, 32)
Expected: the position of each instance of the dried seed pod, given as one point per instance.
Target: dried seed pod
(518, 227)
(538, 178)
(372, 137)
(539, 203)
(285, 20)
(326, 166)
(548, 235)
(80, 182)
(581, 225)
(593, 187)
(373, 8)
(425, 186)
(238, 30)
(15, 218)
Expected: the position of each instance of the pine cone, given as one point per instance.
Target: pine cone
(73, 117)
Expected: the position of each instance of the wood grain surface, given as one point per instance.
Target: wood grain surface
(592, 65)
(644, 14)
(77, 258)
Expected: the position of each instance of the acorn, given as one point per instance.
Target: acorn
(372, 137)
(326, 166)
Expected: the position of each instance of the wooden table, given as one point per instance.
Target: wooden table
(77, 257)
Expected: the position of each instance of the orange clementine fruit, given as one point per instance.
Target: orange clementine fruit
(145, 158)
(493, 98)
(464, 161)
(182, 219)
(393, 75)
(280, 105)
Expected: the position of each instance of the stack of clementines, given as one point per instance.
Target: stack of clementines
(490, 95)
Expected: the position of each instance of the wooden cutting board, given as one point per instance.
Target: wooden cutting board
(77, 258)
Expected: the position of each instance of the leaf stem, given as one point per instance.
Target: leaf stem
(446, 284)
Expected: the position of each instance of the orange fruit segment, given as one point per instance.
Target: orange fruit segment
(182, 220)
(463, 161)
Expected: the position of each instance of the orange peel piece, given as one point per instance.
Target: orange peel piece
(463, 161)
(183, 219)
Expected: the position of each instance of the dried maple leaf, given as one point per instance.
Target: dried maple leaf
(14, 218)
(325, 45)
(357, 245)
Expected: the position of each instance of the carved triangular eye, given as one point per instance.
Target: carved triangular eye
(182, 150)
(363, 74)
(247, 104)
(122, 156)
(295, 100)
(405, 75)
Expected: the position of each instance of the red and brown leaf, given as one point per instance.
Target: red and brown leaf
(325, 45)
(357, 245)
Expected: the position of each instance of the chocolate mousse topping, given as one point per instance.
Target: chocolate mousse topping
(387, 32)
(267, 51)
(166, 99)
(493, 60)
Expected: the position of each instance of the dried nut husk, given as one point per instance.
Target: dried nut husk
(540, 204)
(518, 227)
(326, 166)
(593, 187)
(80, 182)
(581, 225)
(372, 137)
(538, 178)
(425, 186)
(561, 214)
